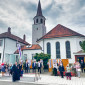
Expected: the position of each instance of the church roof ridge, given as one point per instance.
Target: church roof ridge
(60, 31)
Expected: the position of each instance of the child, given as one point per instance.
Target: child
(68, 72)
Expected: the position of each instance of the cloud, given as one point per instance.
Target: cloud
(19, 14)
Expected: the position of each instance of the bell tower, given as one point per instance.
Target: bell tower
(38, 28)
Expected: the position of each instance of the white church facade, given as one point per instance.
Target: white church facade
(61, 42)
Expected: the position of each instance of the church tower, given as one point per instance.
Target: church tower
(38, 28)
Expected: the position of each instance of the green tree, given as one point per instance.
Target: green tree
(82, 44)
(44, 57)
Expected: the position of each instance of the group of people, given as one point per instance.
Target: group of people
(16, 70)
(58, 67)
(4, 68)
(76, 67)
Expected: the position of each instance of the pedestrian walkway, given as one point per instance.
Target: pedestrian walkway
(48, 80)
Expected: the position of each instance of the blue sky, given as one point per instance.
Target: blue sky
(19, 14)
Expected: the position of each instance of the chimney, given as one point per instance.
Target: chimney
(24, 37)
(9, 30)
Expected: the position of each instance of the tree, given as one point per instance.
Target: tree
(82, 44)
(44, 57)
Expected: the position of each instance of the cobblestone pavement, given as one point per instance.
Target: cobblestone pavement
(16, 83)
(28, 79)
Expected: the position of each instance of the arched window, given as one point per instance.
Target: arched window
(57, 50)
(41, 20)
(36, 20)
(48, 48)
(68, 51)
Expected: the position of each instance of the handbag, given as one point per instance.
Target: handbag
(79, 70)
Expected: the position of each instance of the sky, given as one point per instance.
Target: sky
(19, 14)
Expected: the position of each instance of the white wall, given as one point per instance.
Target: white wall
(10, 47)
(37, 33)
(74, 45)
(1, 50)
(30, 52)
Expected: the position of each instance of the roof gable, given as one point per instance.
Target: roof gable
(13, 37)
(25, 47)
(60, 31)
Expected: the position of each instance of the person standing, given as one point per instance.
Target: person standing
(55, 68)
(78, 69)
(34, 66)
(26, 67)
(20, 68)
(68, 72)
(82, 66)
(39, 67)
(2, 69)
(61, 69)
(15, 72)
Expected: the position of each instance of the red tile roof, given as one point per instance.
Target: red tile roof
(60, 31)
(25, 47)
(33, 47)
(11, 36)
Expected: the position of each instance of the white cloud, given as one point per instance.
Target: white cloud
(18, 15)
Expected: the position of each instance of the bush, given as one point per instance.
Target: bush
(44, 57)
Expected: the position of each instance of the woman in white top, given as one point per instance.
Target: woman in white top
(55, 69)
(78, 69)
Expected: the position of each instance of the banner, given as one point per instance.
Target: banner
(19, 49)
(49, 63)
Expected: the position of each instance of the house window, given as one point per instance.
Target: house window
(48, 48)
(1, 41)
(41, 20)
(36, 20)
(57, 50)
(25, 57)
(68, 51)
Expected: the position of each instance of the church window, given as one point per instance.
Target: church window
(36, 20)
(57, 50)
(1, 41)
(41, 20)
(68, 51)
(48, 48)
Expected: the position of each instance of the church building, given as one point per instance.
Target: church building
(61, 42)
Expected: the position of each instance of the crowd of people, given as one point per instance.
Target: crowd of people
(76, 68)
(17, 70)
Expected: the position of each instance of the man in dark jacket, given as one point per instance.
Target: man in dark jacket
(34, 66)
(61, 69)
(39, 66)
(20, 68)
(82, 65)
(26, 67)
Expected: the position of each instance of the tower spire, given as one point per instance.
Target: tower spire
(39, 10)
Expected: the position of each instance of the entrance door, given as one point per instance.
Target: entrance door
(80, 58)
